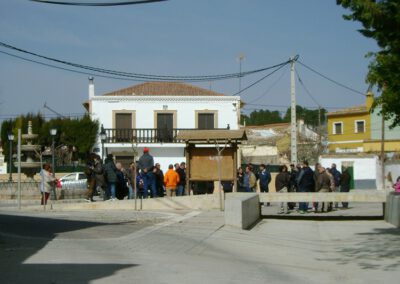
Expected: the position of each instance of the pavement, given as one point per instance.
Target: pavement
(99, 246)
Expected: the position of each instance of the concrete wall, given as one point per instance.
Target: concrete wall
(366, 169)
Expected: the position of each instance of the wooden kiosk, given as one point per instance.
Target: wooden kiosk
(211, 155)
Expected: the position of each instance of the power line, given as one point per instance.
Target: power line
(70, 70)
(261, 79)
(329, 79)
(97, 4)
(270, 88)
(307, 91)
(149, 77)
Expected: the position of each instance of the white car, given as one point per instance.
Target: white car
(75, 180)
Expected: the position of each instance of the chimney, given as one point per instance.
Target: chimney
(369, 100)
(91, 87)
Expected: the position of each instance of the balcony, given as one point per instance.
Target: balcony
(145, 135)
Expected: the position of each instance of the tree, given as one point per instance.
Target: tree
(261, 117)
(310, 117)
(381, 22)
(81, 132)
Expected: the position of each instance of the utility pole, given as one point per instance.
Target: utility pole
(240, 58)
(383, 150)
(293, 127)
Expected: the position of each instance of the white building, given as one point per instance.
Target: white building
(151, 114)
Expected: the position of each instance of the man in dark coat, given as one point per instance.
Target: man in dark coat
(111, 177)
(181, 170)
(146, 165)
(305, 183)
(345, 184)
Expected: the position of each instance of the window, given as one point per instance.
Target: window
(338, 128)
(206, 121)
(359, 126)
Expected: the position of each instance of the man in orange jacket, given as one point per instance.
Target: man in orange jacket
(171, 180)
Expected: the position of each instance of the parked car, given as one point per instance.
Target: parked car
(73, 181)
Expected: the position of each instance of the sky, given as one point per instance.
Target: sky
(182, 37)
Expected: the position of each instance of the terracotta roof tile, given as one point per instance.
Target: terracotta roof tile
(163, 89)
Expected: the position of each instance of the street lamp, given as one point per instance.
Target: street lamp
(53, 133)
(10, 139)
(103, 138)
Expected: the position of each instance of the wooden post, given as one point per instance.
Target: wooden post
(235, 148)
(187, 156)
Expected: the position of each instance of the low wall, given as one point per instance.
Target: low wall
(242, 210)
(392, 209)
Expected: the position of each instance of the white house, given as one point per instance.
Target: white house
(151, 114)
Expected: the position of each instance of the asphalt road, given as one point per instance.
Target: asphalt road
(192, 247)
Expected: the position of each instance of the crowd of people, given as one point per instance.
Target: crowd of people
(300, 178)
(145, 178)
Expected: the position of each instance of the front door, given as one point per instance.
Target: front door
(165, 124)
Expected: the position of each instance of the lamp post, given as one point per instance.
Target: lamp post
(53, 133)
(103, 138)
(10, 139)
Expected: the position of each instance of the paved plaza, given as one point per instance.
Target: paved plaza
(191, 247)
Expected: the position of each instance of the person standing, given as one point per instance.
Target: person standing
(146, 164)
(121, 185)
(99, 176)
(181, 170)
(159, 175)
(282, 184)
(336, 176)
(324, 184)
(130, 174)
(90, 177)
(171, 180)
(47, 183)
(249, 180)
(345, 184)
(265, 178)
(305, 183)
(111, 177)
(240, 180)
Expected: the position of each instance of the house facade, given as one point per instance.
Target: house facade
(152, 114)
(359, 130)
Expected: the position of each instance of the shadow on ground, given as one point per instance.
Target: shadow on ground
(22, 237)
(379, 249)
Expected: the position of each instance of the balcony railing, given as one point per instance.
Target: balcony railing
(143, 135)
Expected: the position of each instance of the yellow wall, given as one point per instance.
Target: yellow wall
(349, 137)
(375, 146)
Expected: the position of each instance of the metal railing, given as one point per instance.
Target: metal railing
(144, 135)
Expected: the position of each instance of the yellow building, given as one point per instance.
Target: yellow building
(357, 129)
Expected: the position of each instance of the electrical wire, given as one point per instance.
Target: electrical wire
(270, 88)
(261, 79)
(97, 4)
(70, 70)
(306, 89)
(329, 79)
(149, 77)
